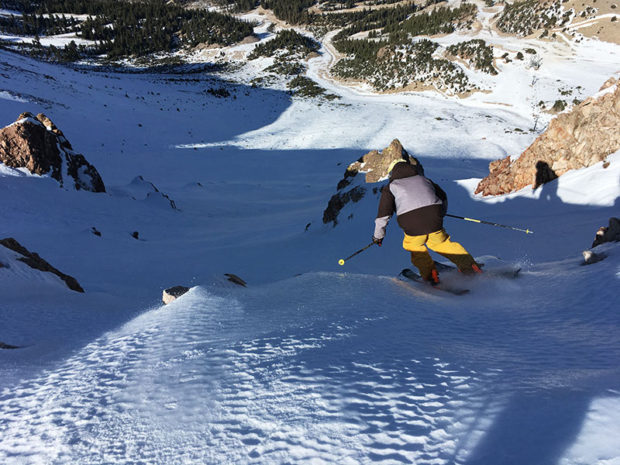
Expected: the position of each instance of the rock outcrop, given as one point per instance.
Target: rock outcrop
(590, 257)
(609, 233)
(7, 346)
(141, 189)
(576, 139)
(33, 260)
(36, 144)
(173, 293)
(604, 234)
(374, 165)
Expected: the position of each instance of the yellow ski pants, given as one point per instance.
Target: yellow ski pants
(438, 241)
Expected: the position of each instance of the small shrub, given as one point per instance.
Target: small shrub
(559, 105)
(220, 92)
(306, 87)
(286, 43)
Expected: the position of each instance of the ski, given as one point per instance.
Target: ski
(415, 277)
(502, 271)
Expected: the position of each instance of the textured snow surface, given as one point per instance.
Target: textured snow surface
(313, 362)
(299, 371)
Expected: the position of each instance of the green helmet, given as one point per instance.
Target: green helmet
(394, 163)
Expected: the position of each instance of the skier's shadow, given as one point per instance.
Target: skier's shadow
(544, 176)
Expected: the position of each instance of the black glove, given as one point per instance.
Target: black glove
(377, 241)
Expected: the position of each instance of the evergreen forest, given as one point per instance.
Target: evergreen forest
(124, 29)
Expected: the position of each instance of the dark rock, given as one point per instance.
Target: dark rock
(610, 233)
(33, 260)
(84, 174)
(36, 144)
(339, 201)
(173, 293)
(7, 346)
(135, 235)
(590, 257)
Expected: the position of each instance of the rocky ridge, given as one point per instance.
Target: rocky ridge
(35, 143)
(575, 139)
(33, 260)
(374, 166)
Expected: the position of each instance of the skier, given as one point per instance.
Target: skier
(420, 206)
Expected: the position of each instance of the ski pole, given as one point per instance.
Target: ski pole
(342, 260)
(526, 231)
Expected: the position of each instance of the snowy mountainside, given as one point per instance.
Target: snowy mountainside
(518, 38)
(336, 365)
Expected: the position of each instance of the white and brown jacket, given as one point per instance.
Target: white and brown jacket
(419, 203)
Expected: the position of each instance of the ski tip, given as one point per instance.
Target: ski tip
(233, 278)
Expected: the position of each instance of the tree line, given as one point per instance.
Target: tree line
(397, 66)
(525, 17)
(137, 28)
(291, 11)
(33, 24)
(367, 20)
(388, 59)
(289, 40)
(476, 52)
(442, 20)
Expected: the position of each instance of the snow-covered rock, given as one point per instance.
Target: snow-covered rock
(590, 257)
(141, 189)
(173, 293)
(32, 260)
(39, 146)
(575, 139)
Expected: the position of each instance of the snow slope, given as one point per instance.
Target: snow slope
(313, 362)
(298, 371)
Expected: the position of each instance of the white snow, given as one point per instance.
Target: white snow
(5, 12)
(574, 187)
(4, 95)
(60, 40)
(312, 362)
